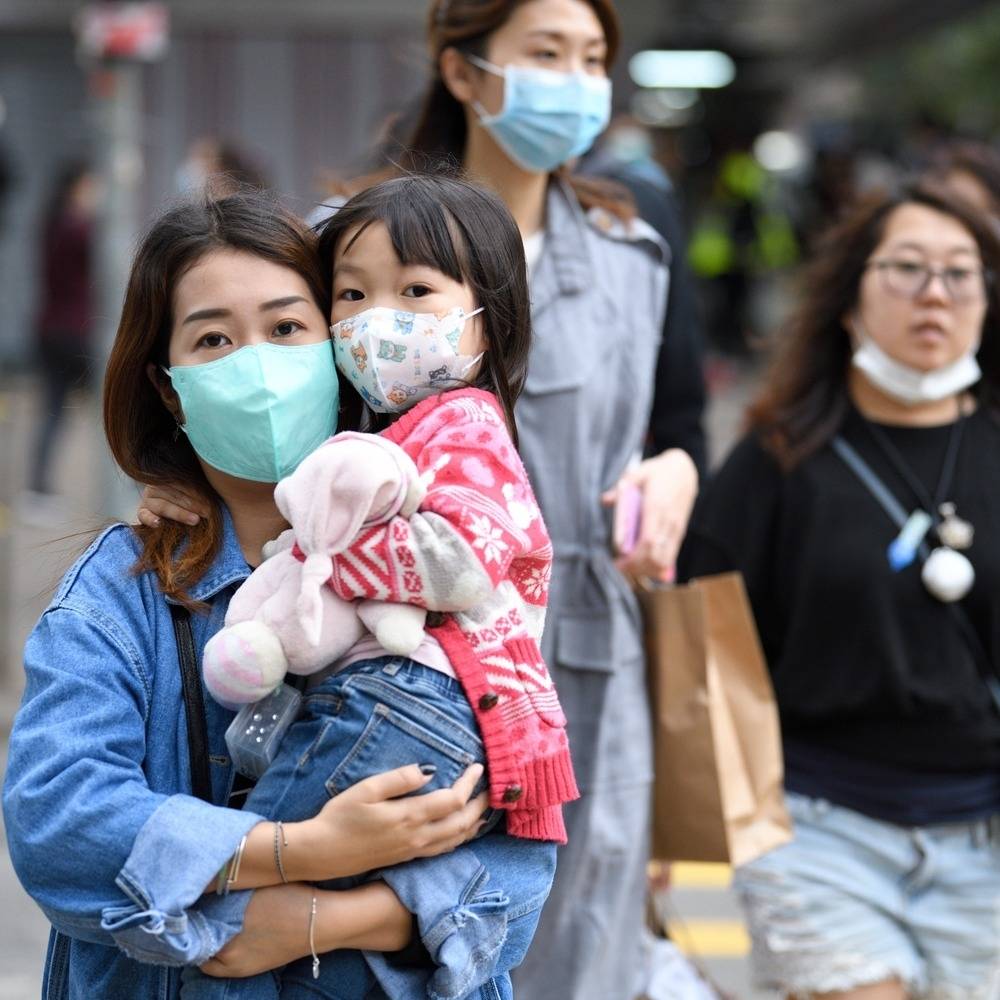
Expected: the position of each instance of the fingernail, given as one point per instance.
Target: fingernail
(428, 769)
(156, 522)
(193, 519)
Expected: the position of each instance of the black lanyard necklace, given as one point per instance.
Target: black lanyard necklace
(934, 505)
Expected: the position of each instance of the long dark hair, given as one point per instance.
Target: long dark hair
(468, 234)
(433, 130)
(804, 399)
(140, 431)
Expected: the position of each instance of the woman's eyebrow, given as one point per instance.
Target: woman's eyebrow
(288, 300)
(558, 36)
(922, 248)
(206, 314)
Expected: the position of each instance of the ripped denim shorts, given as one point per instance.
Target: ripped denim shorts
(853, 901)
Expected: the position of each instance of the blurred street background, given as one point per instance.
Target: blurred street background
(783, 110)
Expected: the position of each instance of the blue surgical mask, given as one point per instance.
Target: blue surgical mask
(547, 117)
(257, 412)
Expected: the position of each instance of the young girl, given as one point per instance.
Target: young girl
(422, 304)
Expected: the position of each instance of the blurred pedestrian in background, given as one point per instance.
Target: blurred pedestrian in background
(625, 154)
(972, 169)
(64, 325)
(219, 167)
(519, 91)
(861, 510)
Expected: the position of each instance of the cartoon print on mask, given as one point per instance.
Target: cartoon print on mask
(439, 375)
(360, 356)
(345, 329)
(403, 323)
(400, 393)
(388, 351)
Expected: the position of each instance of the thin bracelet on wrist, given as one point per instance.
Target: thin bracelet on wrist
(312, 936)
(232, 870)
(280, 840)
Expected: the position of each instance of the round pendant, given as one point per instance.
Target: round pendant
(948, 575)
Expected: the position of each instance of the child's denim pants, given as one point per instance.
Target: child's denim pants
(476, 908)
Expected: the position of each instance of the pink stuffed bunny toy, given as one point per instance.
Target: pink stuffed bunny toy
(284, 617)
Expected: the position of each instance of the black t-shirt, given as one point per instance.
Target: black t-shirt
(867, 666)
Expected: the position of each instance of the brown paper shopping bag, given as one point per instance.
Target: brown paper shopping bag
(718, 763)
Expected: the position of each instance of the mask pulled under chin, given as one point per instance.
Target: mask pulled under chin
(911, 386)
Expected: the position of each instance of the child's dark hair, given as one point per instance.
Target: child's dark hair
(468, 234)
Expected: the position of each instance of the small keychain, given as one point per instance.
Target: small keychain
(253, 736)
(903, 548)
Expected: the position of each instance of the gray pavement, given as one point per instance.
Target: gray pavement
(34, 553)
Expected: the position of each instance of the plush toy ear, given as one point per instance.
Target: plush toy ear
(354, 480)
(323, 501)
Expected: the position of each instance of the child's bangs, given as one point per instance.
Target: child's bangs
(424, 232)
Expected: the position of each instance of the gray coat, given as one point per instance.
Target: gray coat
(598, 299)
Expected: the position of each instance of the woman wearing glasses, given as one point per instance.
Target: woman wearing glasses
(861, 509)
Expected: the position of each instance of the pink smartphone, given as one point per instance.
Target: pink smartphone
(628, 519)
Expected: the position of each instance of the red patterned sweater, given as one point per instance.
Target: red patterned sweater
(478, 548)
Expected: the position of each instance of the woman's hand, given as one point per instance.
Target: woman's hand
(669, 485)
(370, 826)
(275, 932)
(158, 502)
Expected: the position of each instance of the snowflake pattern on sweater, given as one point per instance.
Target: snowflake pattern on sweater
(478, 548)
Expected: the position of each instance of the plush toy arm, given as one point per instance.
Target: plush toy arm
(399, 628)
(282, 543)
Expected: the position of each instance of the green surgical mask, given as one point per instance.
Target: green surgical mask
(256, 413)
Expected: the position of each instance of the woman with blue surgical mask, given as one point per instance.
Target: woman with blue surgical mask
(119, 806)
(520, 88)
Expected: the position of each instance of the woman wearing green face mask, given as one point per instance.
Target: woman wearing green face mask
(220, 380)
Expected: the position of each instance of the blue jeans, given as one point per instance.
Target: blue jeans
(476, 908)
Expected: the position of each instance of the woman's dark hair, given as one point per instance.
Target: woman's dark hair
(140, 431)
(434, 130)
(466, 233)
(804, 399)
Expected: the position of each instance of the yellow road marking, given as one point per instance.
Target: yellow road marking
(710, 938)
(698, 875)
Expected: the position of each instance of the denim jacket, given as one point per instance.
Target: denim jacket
(103, 831)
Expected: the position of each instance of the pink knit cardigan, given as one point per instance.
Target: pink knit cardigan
(478, 548)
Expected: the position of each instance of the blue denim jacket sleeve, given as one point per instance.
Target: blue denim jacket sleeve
(107, 858)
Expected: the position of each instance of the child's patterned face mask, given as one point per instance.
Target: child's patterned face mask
(396, 358)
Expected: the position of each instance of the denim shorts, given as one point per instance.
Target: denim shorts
(853, 901)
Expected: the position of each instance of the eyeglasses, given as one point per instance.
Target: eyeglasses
(907, 279)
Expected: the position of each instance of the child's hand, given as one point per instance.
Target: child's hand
(166, 502)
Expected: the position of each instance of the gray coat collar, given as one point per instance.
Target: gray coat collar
(565, 267)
